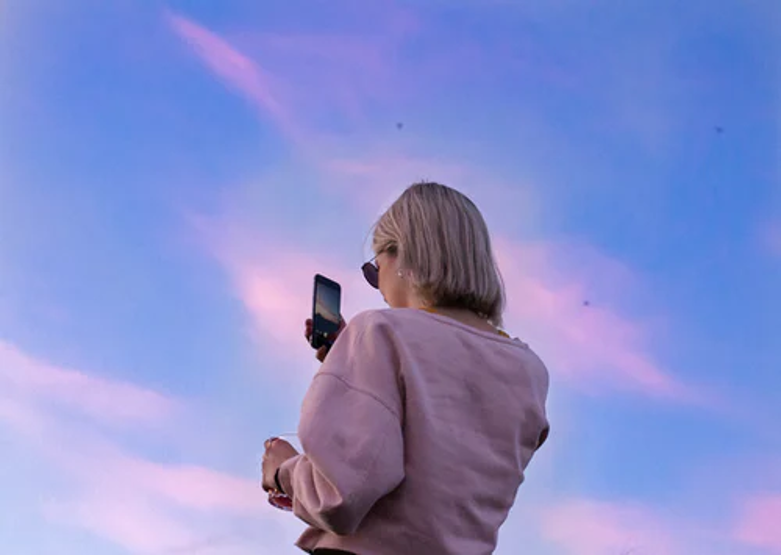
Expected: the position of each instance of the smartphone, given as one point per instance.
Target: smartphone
(326, 311)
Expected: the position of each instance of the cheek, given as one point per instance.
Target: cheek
(383, 277)
(387, 282)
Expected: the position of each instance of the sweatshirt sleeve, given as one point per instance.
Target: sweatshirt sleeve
(350, 430)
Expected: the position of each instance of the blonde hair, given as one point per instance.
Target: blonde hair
(442, 241)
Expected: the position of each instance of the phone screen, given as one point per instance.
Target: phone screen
(326, 311)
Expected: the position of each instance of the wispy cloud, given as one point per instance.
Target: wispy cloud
(112, 489)
(585, 341)
(353, 75)
(353, 72)
(238, 71)
(584, 526)
(595, 348)
(154, 506)
(758, 522)
(274, 280)
(591, 347)
(348, 74)
(113, 402)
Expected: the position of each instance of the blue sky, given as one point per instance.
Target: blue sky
(173, 174)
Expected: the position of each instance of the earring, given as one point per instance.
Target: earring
(400, 274)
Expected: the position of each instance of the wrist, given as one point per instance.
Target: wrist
(284, 476)
(276, 481)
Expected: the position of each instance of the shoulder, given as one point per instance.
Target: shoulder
(367, 329)
(376, 330)
(368, 318)
(366, 358)
(378, 321)
(391, 324)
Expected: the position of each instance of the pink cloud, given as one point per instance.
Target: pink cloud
(168, 508)
(126, 521)
(594, 348)
(274, 282)
(350, 74)
(344, 70)
(297, 79)
(111, 401)
(196, 487)
(344, 73)
(345, 80)
(139, 520)
(237, 70)
(109, 490)
(291, 108)
(597, 349)
(96, 461)
(582, 526)
(148, 506)
(20, 416)
(590, 346)
(759, 522)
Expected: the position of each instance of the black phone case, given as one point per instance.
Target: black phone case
(317, 340)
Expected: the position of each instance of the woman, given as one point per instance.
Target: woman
(418, 426)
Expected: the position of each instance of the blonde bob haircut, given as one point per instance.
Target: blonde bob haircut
(444, 248)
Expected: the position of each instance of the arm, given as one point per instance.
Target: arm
(350, 430)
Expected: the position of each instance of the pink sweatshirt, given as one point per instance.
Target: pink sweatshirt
(416, 431)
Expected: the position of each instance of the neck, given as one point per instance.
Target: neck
(465, 316)
(455, 313)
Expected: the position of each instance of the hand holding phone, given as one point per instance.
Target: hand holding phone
(323, 350)
(326, 323)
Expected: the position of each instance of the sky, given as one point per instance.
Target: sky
(174, 173)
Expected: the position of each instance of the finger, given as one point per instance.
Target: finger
(321, 353)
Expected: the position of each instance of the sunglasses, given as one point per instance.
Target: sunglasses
(372, 273)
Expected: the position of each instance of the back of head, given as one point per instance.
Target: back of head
(442, 240)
